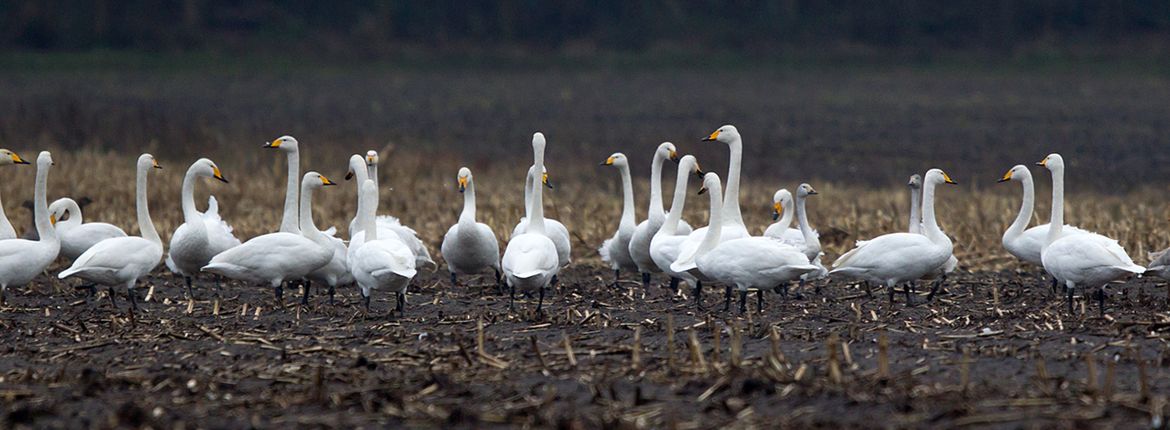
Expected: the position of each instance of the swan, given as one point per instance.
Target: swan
(21, 260)
(616, 249)
(896, 258)
(202, 234)
(6, 229)
(915, 226)
(1159, 264)
(750, 262)
(784, 210)
(552, 228)
(1087, 259)
(732, 219)
(379, 263)
(469, 246)
(282, 256)
(644, 233)
(124, 260)
(666, 243)
(408, 235)
(76, 235)
(290, 221)
(531, 259)
(1026, 244)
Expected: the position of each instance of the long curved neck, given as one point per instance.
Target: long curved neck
(786, 218)
(372, 173)
(528, 193)
(731, 212)
(360, 174)
(627, 197)
(802, 220)
(73, 212)
(677, 202)
(306, 226)
(1056, 222)
(291, 217)
(468, 214)
(41, 207)
(145, 224)
(536, 221)
(915, 211)
(1025, 215)
(656, 210)
(6, 225)
(929, 222)
(715, 227)
(369, 211)
(190, 214)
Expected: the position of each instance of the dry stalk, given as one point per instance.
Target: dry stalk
(883, 356)
(697, 359)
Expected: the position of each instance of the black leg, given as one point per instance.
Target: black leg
(499, 281)
(890, 291)
(868, 289)
(698, 294)
(540, 301)
(1070, 298)
(742, 301)
(726, 299)
(401, 305)
(909, 289)
(934, 288)
(366, 297)
(1101, 301)
(784, 290)
(616, 277)
(1053, 284)
(113, 301)
(645, 281)
(218, 288)
(674, 285)
(279, 290)
(454, 282)
(133, 299)
(190, 291)
(305, 286)
(511, 297)
(760, 300)
(816, 287)
(555, 280)
(332, 291)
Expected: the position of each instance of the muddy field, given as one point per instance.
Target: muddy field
(994, 349)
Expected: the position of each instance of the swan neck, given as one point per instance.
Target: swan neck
(656, 209)
(145, 224)
(372, 173)
(369, 212)
(802, 219)
(715, 227)
(536, 221)
(929, 222)
(288, 223)
(1026, 208)
(1056, 222)
(468, 214)
(4, 218)
(915, 211)
(528, 192)
(731, 213)
(786, 219)
(190, 214)
(627, 197)
(74, 212)
(41, 206)
(307, 227)
(677, 203)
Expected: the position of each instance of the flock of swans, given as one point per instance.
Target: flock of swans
(383, 254)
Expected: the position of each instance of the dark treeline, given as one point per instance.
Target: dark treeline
(356, 27)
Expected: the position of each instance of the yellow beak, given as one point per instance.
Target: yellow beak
(217, 174)
(462, 184)
(947, 179)
(154, 163)
(326, 181)
(1006, 176)
(714, 135)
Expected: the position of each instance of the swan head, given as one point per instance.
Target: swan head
(284, 143)
(147, 161)
(805, 190)
(464, 178)
(915, 182)
(725, 134)
(206, 167)
(937, 176)
(688, 163)
(780, 200)
(1053, 162)
(59, 209)
(356, 162)
(44, 159)
(1017, 173)
(9, 157)
(316, 180)
(617, 159)
(538, 141)
(371, 158)
(710, 180)
(667, 150)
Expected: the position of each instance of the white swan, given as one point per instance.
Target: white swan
(422, 256)
(915, 226)
(732, 219)
(552, 228)
(750, 262)
(6, 229)
(667, 242)
(379, 263)
(531, 260)
(469, 246)
(896, 258)
(616, 249)
(76, 235)
(783, 210)
(124, 260)
(202, 234)
(655, 216)
(1087, 259)
(21, 260)
(282, 256)
(1026, 244)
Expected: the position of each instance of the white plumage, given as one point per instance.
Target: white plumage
(6, 229)
(202, 234)
(531, 260)
(639, 244)
(76, 235)
(470, 247)
(21, 260)
(615, 251)
(378, 263)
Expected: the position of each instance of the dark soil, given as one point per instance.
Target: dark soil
(71, 361)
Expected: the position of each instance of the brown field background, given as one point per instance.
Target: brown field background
(854, 134)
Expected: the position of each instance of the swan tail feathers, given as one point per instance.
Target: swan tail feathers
(527, 274)
(404, 272)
